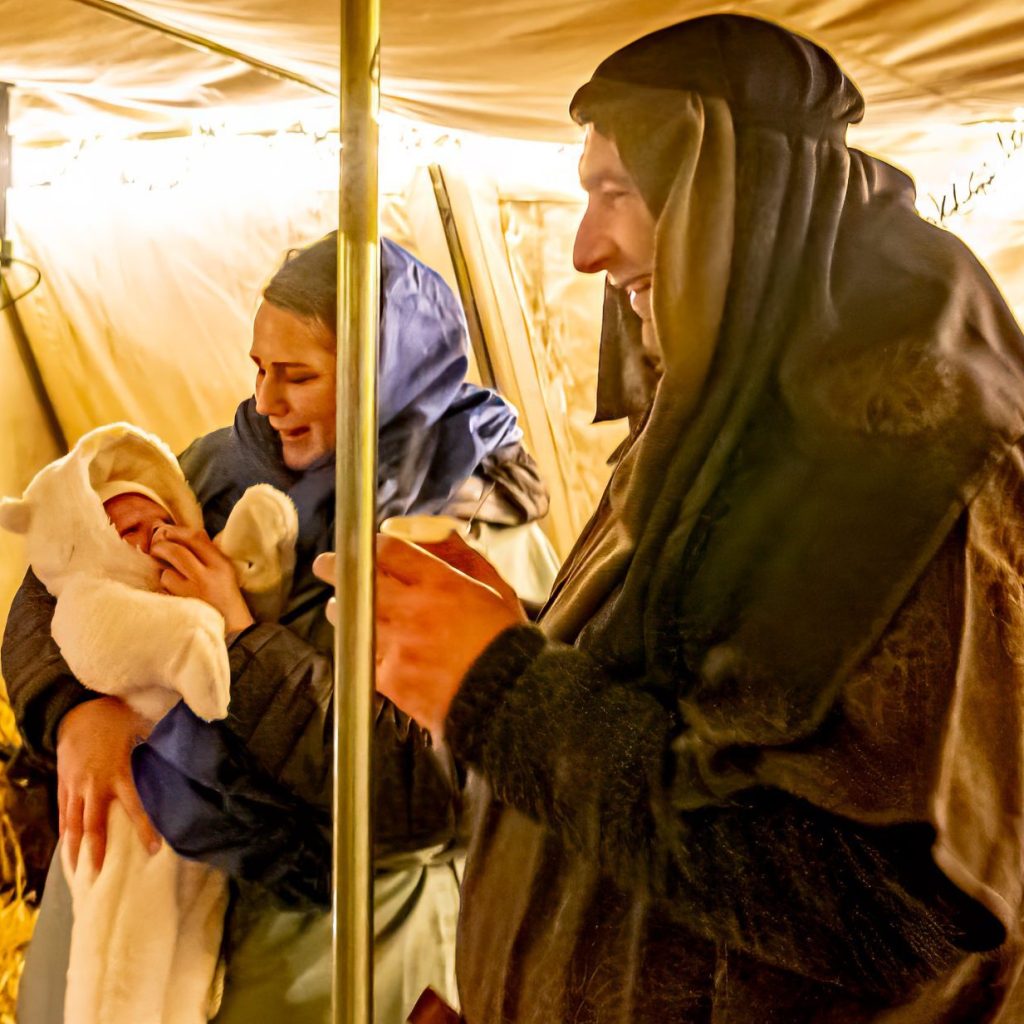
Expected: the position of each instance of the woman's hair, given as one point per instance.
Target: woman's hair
(306, 284)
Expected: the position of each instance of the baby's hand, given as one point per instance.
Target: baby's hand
(195, 567)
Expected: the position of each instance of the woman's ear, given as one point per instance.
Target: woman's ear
(15, 514)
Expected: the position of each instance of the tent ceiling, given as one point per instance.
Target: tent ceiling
(500, 66)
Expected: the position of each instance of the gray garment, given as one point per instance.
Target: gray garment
(41, 992)
(281, 970)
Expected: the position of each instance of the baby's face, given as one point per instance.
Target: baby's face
(136, 518)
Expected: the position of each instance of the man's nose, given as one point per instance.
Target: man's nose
(593, 250)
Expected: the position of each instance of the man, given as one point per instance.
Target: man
(762, 760)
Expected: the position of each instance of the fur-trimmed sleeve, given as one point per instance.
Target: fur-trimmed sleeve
(590, 758)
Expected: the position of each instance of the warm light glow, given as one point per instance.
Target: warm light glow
(987, 173)
(223, 152)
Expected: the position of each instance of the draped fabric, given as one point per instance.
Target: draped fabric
(866, 377)
(434, 428)
(764, 760)
(507, 71)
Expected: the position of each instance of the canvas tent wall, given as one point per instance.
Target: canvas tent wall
(149, 288)
(139, 284)
(149, 285)
(506, 68)
(133, 284)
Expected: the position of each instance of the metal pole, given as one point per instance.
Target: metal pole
(356, 481)
(5, 170)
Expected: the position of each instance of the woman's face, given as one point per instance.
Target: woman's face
(295, 362)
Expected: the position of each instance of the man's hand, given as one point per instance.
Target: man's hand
(433, 622)
(196, 567)
(459, 555)
(94, 745)
(325, 567)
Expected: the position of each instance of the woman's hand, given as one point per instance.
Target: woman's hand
(94, 746)
(196, 567)
(433, 622)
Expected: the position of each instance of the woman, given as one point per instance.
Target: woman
(763, 760)
(263, 810)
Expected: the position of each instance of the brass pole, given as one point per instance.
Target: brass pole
(356, 481)
(5, 170)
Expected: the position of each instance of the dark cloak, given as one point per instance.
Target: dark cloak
(867, 379)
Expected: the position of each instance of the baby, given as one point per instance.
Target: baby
(147, 928)
(135, 511)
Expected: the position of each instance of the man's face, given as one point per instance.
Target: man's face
(616, 234)
(295, 389)
(136, 518)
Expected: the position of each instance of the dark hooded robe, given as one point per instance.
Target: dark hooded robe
(765, 760)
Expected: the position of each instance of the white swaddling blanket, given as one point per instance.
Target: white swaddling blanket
(147, 929)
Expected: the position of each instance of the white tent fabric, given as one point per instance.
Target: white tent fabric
(147, 295)
(27, 442)
(500, 66)
(149, 288)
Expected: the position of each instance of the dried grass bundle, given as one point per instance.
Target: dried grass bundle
(17, 914)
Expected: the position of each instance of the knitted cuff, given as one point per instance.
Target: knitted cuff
(485, 685)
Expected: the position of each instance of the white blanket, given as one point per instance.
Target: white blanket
(147, 929)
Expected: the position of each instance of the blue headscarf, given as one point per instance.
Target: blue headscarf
(434, 428)
(195, 779)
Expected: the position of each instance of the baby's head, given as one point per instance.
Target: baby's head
(136, 512)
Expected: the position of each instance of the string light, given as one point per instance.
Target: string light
(304, 150)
